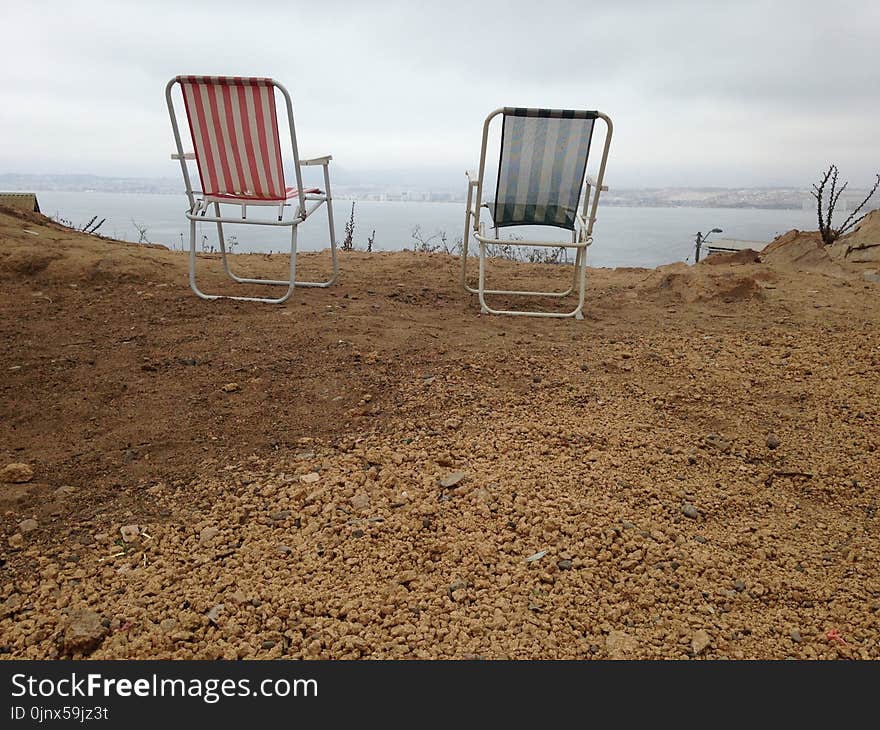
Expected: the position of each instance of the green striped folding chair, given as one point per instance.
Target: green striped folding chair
(541, 182)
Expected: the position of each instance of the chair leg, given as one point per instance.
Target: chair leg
(577, 313)
(465, 239)
(290, 283)
(329, 203)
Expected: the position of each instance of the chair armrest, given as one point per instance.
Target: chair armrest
(316, 161)
(186, 156)
(591, 181)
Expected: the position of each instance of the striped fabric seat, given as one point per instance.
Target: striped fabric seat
(234, 128)
(542, 166)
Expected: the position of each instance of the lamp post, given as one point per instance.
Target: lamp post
(701, 239)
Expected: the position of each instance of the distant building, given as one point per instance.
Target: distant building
(22, 201)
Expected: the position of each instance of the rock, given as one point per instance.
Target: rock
(168, 625)
(16, 541)
(83, 632)
(537, 556)
(11, 605)
(231, 388)
(714, 441)
(739, 586)
(130, 533)
(453, 424)
(360, 502)
(452, 479)
(207, 535)
(620, 645)
(688, 510)
(564, 564)
(268, 644)
(700, 642)
(27, 526)
(871, 275)
(772, 442)
(284, 549)
(16, 473)
(310, 478)
(214, 613)
(796, 637)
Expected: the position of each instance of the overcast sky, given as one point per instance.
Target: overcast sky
(701, 93)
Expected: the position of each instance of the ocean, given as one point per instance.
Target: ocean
(622, 236)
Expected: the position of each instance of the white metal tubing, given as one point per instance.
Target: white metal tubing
(467, 233)
(265, 300)
(180, 152)
(296, 166)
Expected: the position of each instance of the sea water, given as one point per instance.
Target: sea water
(622, 236)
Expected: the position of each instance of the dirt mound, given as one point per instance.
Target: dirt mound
(862, 246)
(801, 251)
(684, 283)
(37, 248)
(746, 256)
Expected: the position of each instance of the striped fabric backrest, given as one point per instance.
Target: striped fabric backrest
(235, 133)
(542, 166)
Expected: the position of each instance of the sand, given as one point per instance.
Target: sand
(377, 471)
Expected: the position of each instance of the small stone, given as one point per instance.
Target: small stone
(584, 367)
(452, 479)
(268, 644)
(772, 442)
(796, 637)
(700, 641)
(11, 605)
(537, 556)
(564, 564)
(83, 632)
(27, 526)
(207, 535)
(360, 502)
(16, 541)
(231, 388)
(739, 586)
(310, 478)
(168, 625)
(16, 473)
(688, 510)
(284, 549)
(714, 441)
(620, 645)
(130, 533)
(214, 613)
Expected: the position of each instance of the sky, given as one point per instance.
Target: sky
(746, 93)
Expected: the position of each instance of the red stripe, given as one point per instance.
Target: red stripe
(233, 138)
(228, 186)
(248, 144)
(209, 181)
(277, 149)
(264, 149)
(189, 117)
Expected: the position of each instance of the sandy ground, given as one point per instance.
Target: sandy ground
(377, 471)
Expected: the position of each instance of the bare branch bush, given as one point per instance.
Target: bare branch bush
(142, 232)
(348, 241)
(827, 201)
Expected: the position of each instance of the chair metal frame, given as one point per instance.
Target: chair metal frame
(581, 237)
(200, 205)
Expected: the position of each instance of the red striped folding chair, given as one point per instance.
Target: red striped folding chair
(237, 149)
